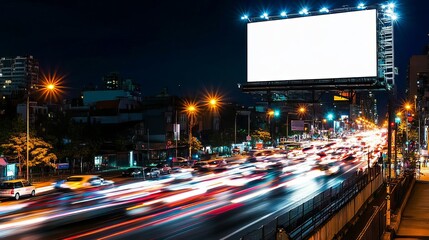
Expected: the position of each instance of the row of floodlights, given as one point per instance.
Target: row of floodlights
(387, 8)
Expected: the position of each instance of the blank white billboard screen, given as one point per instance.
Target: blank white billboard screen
(340, 45)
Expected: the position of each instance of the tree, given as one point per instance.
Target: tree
(260, 134)
(39, 151)
(195, 144)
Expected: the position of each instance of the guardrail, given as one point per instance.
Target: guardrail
(302, 221)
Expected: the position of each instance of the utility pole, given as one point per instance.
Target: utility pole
(389, 157)
(176, 133)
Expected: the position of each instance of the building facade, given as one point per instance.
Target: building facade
(18, 74)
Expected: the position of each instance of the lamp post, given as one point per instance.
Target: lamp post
(270, 115)
(28, 136)
(211, 101)
(301, 113)
(191, 110)
(50, 88)
(397, 121)
(407, 108)
(330, 117)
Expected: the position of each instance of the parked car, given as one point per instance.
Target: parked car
(79, 182)
(132, 172)
(152, 172)
(16, 189)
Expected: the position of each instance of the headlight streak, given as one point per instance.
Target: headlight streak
(160, 221)
(12, 208)
(139, 192)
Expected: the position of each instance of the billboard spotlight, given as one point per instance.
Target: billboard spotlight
(244, 17)
(389, 10)
(324, 10)
(304, 11)
(283, 14)
(361, 6)
(264, 15)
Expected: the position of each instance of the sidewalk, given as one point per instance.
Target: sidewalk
(414, 221)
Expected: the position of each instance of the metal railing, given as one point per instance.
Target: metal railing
(305, 219)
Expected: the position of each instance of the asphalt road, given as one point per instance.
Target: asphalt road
(222, 205)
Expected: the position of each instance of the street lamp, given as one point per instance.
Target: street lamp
(397, 121)
(270, 114)
(407, 108)
(211, 101)
(191, 110)
(301, 111)
(50, 88)
(330, 117)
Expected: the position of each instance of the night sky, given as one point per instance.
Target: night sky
(186, 46)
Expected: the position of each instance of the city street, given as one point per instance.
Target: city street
(211, 205)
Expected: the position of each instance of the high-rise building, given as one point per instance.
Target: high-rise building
(418, 64)
(368, 106)
(418, 93)
(18, 74)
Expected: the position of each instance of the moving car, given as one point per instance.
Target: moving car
(330, 168)
(16, 189)
(79, 182)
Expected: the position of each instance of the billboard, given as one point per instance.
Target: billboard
(331, 46)
(297, 125)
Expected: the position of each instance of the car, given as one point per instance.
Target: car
(132, 172)
(16, 189)
(202, 166)
(152, 172)
(176, 170)
(165, 169)
(330, 168)
(79, 182)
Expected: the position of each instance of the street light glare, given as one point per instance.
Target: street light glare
(51, 87)
(213, 102)
(408, 106)
(191, 108)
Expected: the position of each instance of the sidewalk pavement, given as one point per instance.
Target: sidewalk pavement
(414, 222)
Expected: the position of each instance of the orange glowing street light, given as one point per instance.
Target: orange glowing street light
(301, 111)
(191, 108)
(407, 106)
(51, 87)
(213, 101)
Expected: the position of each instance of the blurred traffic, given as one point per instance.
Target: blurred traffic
(247, 187)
